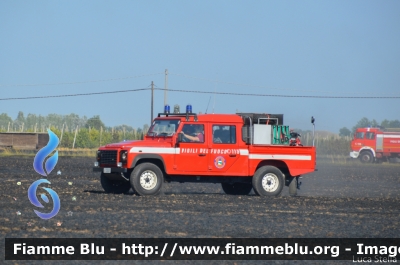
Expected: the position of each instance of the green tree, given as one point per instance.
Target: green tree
(55, 120)
(82, 138)
(95, 122)
(31, 121)
(4, 121)
(395, 124)
(19, 121)
(390, 124)
(344, 132)
(364, 122)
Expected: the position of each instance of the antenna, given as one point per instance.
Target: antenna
(208, 104)
(215, 88)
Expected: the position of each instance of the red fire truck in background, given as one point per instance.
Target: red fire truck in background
(243, 152)
(375, 145)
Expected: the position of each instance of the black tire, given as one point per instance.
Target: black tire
(268, 181)
(114, 186)
(366, 157)
(292, 186)
(237, 188)
(147, 179)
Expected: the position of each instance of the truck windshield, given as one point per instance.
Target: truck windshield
(360, 135)
(163, 127)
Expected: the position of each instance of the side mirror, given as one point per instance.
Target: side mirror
(312, 119)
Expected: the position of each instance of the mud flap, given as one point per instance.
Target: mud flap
(298, 182)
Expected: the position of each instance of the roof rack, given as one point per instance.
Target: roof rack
(186, 115)
(263, 118)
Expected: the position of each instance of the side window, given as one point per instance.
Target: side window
(224, 134)
(360, 135)
(193, 133)
(370, 135)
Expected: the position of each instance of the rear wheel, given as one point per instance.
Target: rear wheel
(114, 186)
(237, 188)
(366, 157)
(268, 181)
(147, 179)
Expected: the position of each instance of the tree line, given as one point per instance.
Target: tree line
(82, 132)
(365, 122)
(39, 123)
(72, 130)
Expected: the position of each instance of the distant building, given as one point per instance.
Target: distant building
(24, 140)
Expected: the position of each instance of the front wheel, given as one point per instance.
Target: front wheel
(147, 179)
(114, 186)
(268, 181)
(366, 157)
(237, 188)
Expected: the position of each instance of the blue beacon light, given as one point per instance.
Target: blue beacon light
(188, 108)
(166, 109)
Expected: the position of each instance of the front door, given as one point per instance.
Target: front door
(193, 152)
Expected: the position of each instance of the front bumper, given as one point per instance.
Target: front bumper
(354, 154)
(110, 169)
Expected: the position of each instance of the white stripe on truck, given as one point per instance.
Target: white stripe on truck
(286, 157)
(155, 150)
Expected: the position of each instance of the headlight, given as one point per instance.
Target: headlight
(98, 156)
(123, 156)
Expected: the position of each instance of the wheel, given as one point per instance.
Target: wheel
(366, 157)
(293, 186)
(268, 181)
(147, 179)
(237, 188)
(114, 186)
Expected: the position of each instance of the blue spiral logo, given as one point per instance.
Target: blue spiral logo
(44, 169)
(44, 152)
(32, 197)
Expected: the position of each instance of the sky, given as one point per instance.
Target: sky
(285, 55)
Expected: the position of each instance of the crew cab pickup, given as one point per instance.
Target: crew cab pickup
(243, 152)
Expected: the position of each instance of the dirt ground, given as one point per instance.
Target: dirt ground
(347, 200)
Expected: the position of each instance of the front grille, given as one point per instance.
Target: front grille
(108, 157)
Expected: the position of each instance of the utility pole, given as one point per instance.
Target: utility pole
(152, 99)
(165, 87)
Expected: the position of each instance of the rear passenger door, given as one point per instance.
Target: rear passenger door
(223, 151)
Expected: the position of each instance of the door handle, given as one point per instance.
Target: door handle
(202, 154)
(232, 155)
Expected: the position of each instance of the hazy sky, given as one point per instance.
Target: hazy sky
(298, 48)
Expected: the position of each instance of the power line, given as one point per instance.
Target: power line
(80, 82)
(206, 92)
(198, 78)
(282, 96)
(78, 95)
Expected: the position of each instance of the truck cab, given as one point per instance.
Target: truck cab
(375, 144)
(243, 151)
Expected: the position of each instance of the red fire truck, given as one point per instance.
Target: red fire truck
(242, 151)
(375, 145)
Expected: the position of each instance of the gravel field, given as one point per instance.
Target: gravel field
(346, 200)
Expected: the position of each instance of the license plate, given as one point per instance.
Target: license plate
(106, 170)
